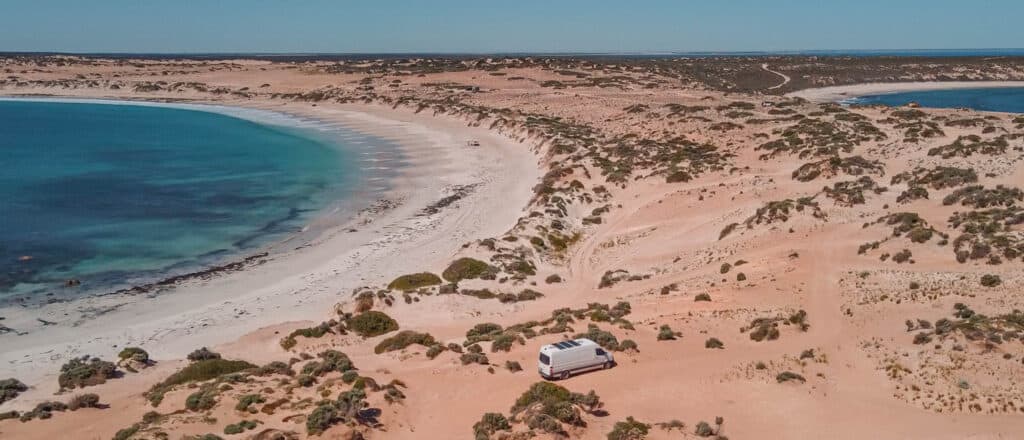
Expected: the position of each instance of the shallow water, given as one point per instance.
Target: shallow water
(1010, 100)
(118, 195)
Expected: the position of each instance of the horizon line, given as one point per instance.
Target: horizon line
(524, 53)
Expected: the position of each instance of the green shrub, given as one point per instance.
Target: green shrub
(552, 279)
(44, 410)
(725, 268)
(85, 371)
(741, 277)
(10, 388)
(989, 280)
(434, 351)
(203, 354)
(392, 394)
(312, 332)
(330, 361)
(372, 323)
(628, 345)
(764, 329)
(205, 398)
(703, 429)
(349, 376)
(88, 400)
(196, 372)
(482, 330)
(474, 358)
(629, 430)
(240, 427)
(513, 366)
(713, 343)
(321, 418)
(502, 342)
(404, 339)
(787, 376)
(414, 281)
(127, 433)
(134, 353)
(247, 400)
(467, 269)
(489, 424)
(601, 337)
(305, 380)
(702, 297)
(275, 367)
(541, 392)
(666, 333)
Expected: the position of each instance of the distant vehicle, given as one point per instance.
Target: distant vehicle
(472, 143)
(561, 360)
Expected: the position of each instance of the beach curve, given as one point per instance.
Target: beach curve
(301, 283)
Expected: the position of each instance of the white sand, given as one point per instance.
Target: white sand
(305, 283)
(839, 93)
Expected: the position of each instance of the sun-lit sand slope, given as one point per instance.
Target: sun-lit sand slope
(796, 269)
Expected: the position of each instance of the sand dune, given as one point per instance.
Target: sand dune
(778, 227)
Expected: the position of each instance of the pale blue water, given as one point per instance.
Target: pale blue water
(115, 195)
(1009, 100)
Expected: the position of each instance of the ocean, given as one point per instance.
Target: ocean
(113, 196)
(1010, 100)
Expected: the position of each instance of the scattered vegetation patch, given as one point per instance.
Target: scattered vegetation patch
(10, 388)
(768, 328)
(713, 343)
(371, 323)
(310, 332)
(665, 333)
(85, 371)
(789, 376)
(198, 371)
(404, 339)
(853, 166)
(977, 196)
(202, 354)
(468, 269)
(937, 178)
(414, 281)
(781, 210)
(851, 192)
(967, 146)
(630, 429)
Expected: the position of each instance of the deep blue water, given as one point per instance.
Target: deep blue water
(114, 195)
(1009, 100)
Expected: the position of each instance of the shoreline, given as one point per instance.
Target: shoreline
(302, 283)
(352, 202)
(841, 93)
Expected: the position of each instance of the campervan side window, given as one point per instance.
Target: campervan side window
(600, 352)
(544, 359)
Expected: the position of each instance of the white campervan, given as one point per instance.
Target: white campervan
(562, 359)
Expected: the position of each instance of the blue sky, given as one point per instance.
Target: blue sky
(506, 26)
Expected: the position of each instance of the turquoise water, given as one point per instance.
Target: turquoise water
(1009, 100)
(118, 195)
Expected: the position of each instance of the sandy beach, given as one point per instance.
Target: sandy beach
(839, 93)
(791, 267)
(299, 284)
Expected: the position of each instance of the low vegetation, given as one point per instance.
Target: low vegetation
(404, 339)
(198, 371)
(371, 323)
(10, 388)
(414, 281)
(85, 371)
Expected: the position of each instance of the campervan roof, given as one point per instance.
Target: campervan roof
(568, 344)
